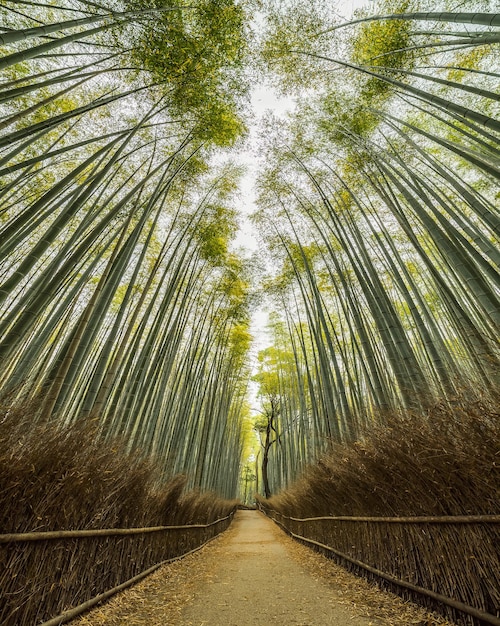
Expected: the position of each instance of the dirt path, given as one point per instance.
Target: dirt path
(259, 583)
(255, 575)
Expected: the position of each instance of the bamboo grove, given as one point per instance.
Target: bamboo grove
(122, 299)
(379, 201)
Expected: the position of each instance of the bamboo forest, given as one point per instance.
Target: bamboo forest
(206, 307)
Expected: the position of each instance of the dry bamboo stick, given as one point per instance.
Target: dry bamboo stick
(455, 604)
(98, 532)
(85, 606)
(442, 519)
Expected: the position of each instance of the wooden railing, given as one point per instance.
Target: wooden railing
(448, 563)
(42, 573)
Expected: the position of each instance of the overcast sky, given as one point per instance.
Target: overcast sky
(264, 99)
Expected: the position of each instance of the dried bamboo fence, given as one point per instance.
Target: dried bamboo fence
(449, 563)
(47, 578)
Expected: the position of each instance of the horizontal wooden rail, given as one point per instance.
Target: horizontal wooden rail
(486, 618)
(460, 606)
(98, 532)
(423, 519)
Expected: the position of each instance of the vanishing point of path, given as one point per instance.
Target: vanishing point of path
(255, 575)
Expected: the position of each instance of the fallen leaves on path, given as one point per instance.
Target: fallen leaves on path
(385, 608)
(159, 600)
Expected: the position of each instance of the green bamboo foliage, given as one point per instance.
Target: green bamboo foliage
(121, 301)
(382, 219)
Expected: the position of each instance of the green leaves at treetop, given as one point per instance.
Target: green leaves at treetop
(197, 54)
(383, 45)
(213, 232)
(294, 26)
(241, 340)
(268, 373)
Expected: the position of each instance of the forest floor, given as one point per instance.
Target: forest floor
(255, 575)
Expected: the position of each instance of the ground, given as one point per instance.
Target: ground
(255, 575)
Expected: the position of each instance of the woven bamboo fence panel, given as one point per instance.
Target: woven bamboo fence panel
(42, 575)
(455, 557)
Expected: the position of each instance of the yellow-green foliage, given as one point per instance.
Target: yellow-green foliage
(471, 59)
(196, 53)
(379, 45)
(382, 43)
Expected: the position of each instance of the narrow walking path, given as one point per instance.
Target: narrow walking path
(258, 583)
(255, 575)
